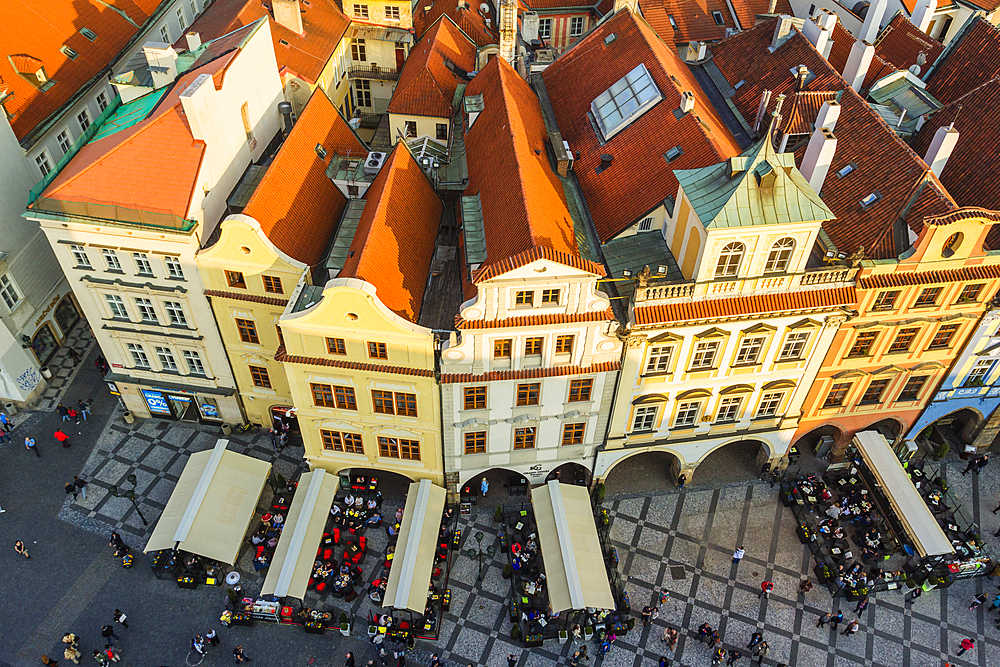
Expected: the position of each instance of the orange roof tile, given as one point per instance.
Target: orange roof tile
(694, 19)
(297, 206)
(798, 114)
(535, 320)
(304, 55)
(36, 31)
(841, 50)
(530, 374)
(639, 177)
(745, 306)
(558, 4)
(252, 298)
(747, 10)
(659, 20)
(394, 243)
(523, 203)
(901, 278)
(971, 59)
(488, 271)
(903, 45)
(471, 21)
(427, 83)
(282, 355)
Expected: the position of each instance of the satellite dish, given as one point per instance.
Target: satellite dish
(484, 7)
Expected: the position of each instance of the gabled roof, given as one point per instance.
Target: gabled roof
(471, 21)
(799, 112)
(747, 10)
(760, 187)
(639, 177)
(694, 19)
(35, 32)
(523, 204)
(841, 50)
(394, 244)
(304, 55)
(428, 80)
(971, 59)
(297, 206)
(557, 4)
(903, 45)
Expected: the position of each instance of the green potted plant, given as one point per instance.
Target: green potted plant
(630, 622)
(941, 451)
(345, 625)
(588, 632)
(599, 492)
(498, 514)
(508, 571)
(515, 632)
(563, 636)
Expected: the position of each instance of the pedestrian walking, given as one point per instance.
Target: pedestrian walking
(664, 661)
(401, 661)
(734, 655)
(851, 628)
(805, 586)
(978, 601)
(5, 421)
(738, 555)
(274, 439)
(862, 605)
(72, 655)
(119, 616)
(116, 541)
(647, 615)
(713, 637)
(765, 589)
(81, 486)
(664, 596)
(21, 549)
(29, 443)
(436, 661)
(969, 467)
(484, 486)
(996, 602)
(61, 437)
(967, 645)
(212, 636)
(511, 660)
(704, 631)
(670, 637)
(70, 489)
(71, 640)
(74, 355)
(718, 656)
(837, 620)
(4, 435)
(824, 619)
(755, 639)
(75, 416)
(240, 656)
(109, 635)
(100, 657)
(63, 412)
(983, 461)
(765, 471)
(681, 481)
(349, 662)
(762, 650)
(84, 408)
(113, 656)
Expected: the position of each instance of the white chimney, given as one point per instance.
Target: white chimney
(702, 50)
(529, 26)
(781, 30)
(687, 101)
(196, 100)
(818, 157)
(873, 20)
(941, 148)
(858, 62)
(193, 41)
(923, 13)
(289, 14)
(508, 30)
(827, 19)
(162, 61)
(828, 114)
(817, 34)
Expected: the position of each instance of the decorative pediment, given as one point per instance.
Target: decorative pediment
(714, 332)
(852, 373)
(759, 329)
(666, 337)
(927, 365)
(737, 389)
(779, 384)
(805, 323)
(649, 398)
(891, 369)
(694, 393)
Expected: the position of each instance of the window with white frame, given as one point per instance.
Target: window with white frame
(626, 99)
(139, 358)
(44, 165)
(193, 361)
(166, 358)
(194, 7)
(729, 409)
(645, 418)
(779, 256)
(142, 265)
(718, 18)
(111, 259)
(770, 403)
(8, 290)
(977, 376)
(175, 312)
(659, 358)
(794, 345)
(164, 34)
(174, 269)
(181, 21)
(544, 28)
(687, 414)
(360, 11)
(392, 12)
(84, 119)
(750, 349)
(576, 26)
(116, 305)
(102, 101)
(146, 311)
(80, 255)
(646, 224)
(704, 354)
(64, 141)
(729, 260)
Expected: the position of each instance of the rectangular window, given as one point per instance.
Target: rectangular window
(345, 398)
(576, 26)
(580, 390)
(80, 255)
(166, 358)
(392, 12)
(139, 358)
(533, 345)
(322, 395)
(142, 265)
(644, 419)
(718, 18)
(102, 101)
(164, 34)
(64, 141)
(903, 340)
(527, 394)
(501, 348)
(885, 300)
(377, 351)
(837, 395)
(272, 284)
(84, 119)
(9, 292)
(564, 344)
(174, 269)
(659, 358)
(117, 306)
(544, 28)
(193, 361)
(175, 312)
(573, 433)
(873, 394)
(687, 414)
(337, 441)
(795, 346)
(970, 293)
(912, 388)
(336, 346)
(410, 129)
(360, 11)
(441, 131)
(524, 438)
(475, 442)
(474, 398)
(111, 259)
(770, 403)
(750, 349)
(44, 166)
(358, 51)
(235, 279)
(399, 449)
(729, 409)
(146, 311)
(524, 298)
(928, 297)
(550, 296)
(977, 377)
(382, 402)
(704, 354)
(863, 344)
(406, 404)
(248, 331)
(942, 338)
(180, 19)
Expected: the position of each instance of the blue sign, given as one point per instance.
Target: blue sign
(156, 402)
(209, 410)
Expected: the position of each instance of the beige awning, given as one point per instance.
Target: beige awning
(571, 552)
(413, 560)
(293, 560)
(211, 507)
(910, 508)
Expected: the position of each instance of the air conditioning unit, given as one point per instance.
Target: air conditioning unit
(374, 162)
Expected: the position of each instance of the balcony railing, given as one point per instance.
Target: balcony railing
(716, 288)
(374, 72)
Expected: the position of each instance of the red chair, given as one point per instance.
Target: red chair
(361, 542)
(320, 587)
(336, 535)
(404, 625)
(436, 573)
(311, 584)
(327, 554)
(260, 550)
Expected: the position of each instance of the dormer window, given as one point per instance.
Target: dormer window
(777, 258)
(627, 99)
(730, 260)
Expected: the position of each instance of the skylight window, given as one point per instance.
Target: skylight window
(673, 23)
(719, 19)
(69, 53)
(627, 99)
(846, 169)
(673, 153)
(870, 199)
(88, 33)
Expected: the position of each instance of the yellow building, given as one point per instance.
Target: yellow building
(360, 369)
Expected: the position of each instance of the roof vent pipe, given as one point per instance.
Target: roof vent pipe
(285, 109)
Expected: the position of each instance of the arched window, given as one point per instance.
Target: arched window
(781, 252)
(729, 260)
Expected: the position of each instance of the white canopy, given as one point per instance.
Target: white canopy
(413, 560)
(293, 560)
(916, 517)
(567, 535)
(211, 507)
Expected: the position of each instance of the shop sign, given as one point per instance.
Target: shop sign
(117, 366)
(156, 402)
(209, 410)
(182, 399)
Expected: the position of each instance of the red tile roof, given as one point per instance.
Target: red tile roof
(901, 278)
(252, 298)
(694, 19)
(530, 374)
(33, 36)
(523, 203)
(841, 50)
(470, 20)
(798, 114)
(297, 206)
(745, 306)
(747, 10)
(904, 45)
(639, 177)
(394, 243)
(971, 59)
(488, 271)
(427, 83)
(304, 55)
(282, 355)
(535, 320)
(557, 4)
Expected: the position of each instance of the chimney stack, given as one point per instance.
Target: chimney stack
(507, 23)
(162, 61)
(687, 101)
(816, 33)
(285, 109)
(923, 13)
(941, 148)
(801, 76)
(858, 62)
(781, 31)
(529, 26)
(828, 114)
(289, 14)
(772, 5)
(873, 20)
(765, 99)
(818, 157)
(193, 41)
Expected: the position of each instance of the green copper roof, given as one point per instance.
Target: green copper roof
(129, 114)
(759, 187)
